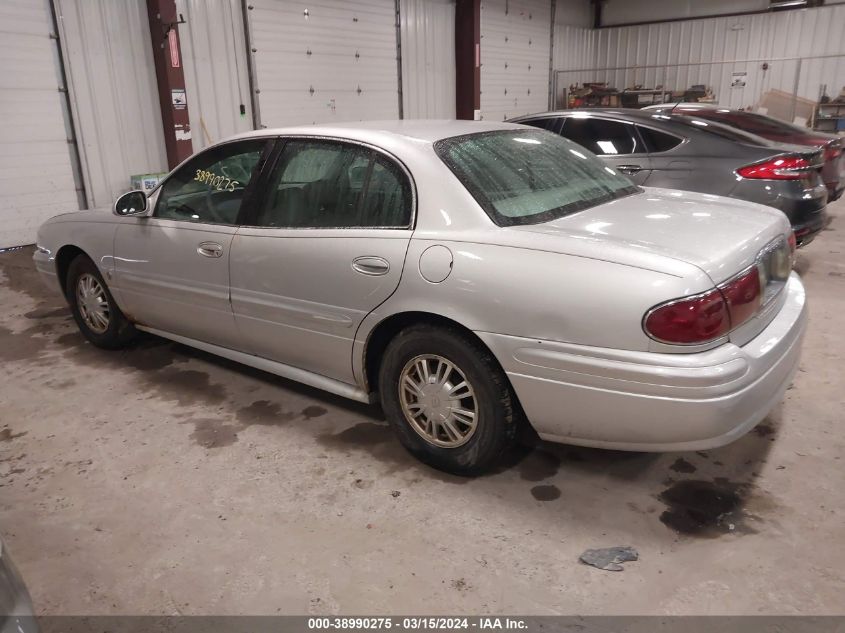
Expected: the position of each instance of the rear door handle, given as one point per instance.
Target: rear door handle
(629, 169)
(369, 265)
(210, 249)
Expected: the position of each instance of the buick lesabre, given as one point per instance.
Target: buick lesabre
(469, 276)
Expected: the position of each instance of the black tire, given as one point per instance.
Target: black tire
(119, 330)
(497, 409)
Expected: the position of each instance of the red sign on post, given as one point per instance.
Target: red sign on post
(174, 48)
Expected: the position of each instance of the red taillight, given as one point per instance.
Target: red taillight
(706, 317)
(781, 168)
(793, 242)
(693, 320)
(743, 295)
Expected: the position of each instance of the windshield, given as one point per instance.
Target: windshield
(526, 177)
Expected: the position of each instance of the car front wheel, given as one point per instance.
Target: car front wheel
(94, 309)
(447, 399)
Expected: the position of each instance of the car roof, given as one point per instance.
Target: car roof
(412, 130)
(631, 113)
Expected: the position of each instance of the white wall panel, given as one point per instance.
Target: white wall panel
(36, 177)
(428, 58)
(215, 65)
(325, 61)
(111, 77)
(705, 51)
(515, 52)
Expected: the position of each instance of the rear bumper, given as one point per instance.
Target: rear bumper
(805, 208)
(645, 401)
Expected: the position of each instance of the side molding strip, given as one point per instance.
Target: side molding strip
(279, 369)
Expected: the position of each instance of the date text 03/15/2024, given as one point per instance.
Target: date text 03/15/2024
(416, 623)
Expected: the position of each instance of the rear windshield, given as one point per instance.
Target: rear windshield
(719, 129)
(754, 123)
(527, 177)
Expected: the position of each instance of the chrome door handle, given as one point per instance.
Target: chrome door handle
(210, 249)
(369, 265)
(629, 169)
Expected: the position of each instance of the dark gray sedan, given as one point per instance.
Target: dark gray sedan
(683, 152)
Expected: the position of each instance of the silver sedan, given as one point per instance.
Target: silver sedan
(470, 276)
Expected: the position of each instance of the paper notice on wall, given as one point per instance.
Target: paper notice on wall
(738, 79)
(178, 99)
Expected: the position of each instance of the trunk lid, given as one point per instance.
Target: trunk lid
(721, 236)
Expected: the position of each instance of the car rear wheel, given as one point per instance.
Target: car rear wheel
(94, 309)
(448, 399)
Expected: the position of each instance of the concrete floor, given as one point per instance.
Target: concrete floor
(160, 480)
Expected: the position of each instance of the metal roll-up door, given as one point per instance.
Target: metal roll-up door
(515, 52)
(36, 173)
(323, 62)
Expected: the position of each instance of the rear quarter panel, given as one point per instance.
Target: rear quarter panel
(532, 293)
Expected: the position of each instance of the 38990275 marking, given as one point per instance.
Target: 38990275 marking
(216, 182)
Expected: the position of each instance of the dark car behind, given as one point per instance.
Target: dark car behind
(681, 152)
(833, 146)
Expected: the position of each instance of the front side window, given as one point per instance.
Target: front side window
(529, 177)
(210, 188)
(602, 136)
(328, 184)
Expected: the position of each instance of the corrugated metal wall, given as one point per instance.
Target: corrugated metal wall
(111, 77)
(215, 65)
(428, 58)
(325, 61)
(36, 174)
(704, 51)
(515, 52)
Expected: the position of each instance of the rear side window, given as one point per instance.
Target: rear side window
(658, 141)
(603, 136)
(552, 124)
(328, 184)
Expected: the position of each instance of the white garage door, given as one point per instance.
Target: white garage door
(428, 59)
(36, 177)
(319, 62)
(515, 47)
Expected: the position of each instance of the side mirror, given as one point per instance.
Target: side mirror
(132, 203)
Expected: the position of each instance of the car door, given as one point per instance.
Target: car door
(672, 158)
(172, 268)
(325, 246)
(616, 142)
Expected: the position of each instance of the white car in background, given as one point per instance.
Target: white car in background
(468, 275)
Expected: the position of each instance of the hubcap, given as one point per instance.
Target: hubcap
(92, 302)
(438, 401)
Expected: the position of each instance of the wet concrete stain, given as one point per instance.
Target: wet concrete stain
(314, 411)
(211, 433)
(706, 508)
(47, 312)
(263, 412)
(764, 429)
(545, 493)
(539, 465)
(7, 435)
(682, 466)
(17, 346)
